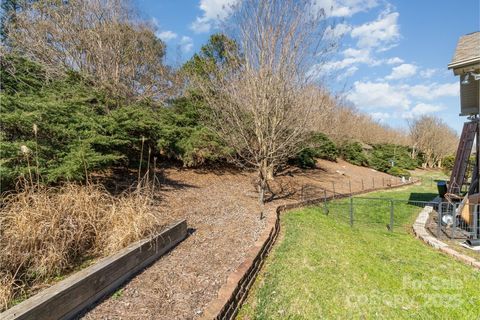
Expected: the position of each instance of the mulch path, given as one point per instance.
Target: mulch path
(222, 212)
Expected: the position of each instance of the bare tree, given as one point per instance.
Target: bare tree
(434, 138)
(343, 123)
(263, 102)
(102, 39)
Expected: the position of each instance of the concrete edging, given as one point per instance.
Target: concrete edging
(71, 296)
(231, 295)
(422, 233)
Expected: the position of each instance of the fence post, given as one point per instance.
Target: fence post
(333, 186)
(439, 226)
(351, 211)
(350, 186)
(325, 202)
(454, 218)
(391, 215)
(476, 228)
(383, 182)
(362, 185)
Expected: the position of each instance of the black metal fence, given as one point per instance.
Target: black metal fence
(447, 220)
(391, 214)
(350, 186)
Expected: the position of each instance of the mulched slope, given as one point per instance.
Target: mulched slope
(222, 210)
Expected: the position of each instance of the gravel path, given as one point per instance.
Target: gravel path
(223, 213)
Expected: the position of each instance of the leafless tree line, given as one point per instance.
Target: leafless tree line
(344, 123)
(434, 138)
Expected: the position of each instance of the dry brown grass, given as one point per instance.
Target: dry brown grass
(46, 232)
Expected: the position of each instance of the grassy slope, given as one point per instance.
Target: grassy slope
(324, 269)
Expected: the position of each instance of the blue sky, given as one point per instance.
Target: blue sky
(393, 56)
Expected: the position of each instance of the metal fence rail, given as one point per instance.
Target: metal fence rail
(393, 214)
(451, 221)
(340, 188)
(448, 221)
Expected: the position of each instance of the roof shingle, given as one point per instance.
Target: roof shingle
(468, 50)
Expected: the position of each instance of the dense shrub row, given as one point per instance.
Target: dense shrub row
(353, 153)
(66, 127)
(389, 158)
(319, 146)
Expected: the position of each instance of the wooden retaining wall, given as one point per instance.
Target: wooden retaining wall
(69, 297)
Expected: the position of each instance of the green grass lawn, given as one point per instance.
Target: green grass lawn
(324, 269)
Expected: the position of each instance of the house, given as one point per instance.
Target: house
(466, 64)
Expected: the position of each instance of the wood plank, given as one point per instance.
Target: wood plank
(67, 298)
(464, 150)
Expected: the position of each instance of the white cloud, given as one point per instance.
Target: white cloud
(421, 109)
(379, 33)
(371, 95)
(361, 54)
(344, 8)
(351, 57)
(434, 90)
(380, 116)
(186, 44)
(214, 11)
(400, 98)
(428, 73)
(404, 70)
(394, 60)
(347, 73)
(201, 25)
(167, 35)
(338, 31)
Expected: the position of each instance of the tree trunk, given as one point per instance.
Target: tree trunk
(270, 173)
(261, 193)
(262, 183)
